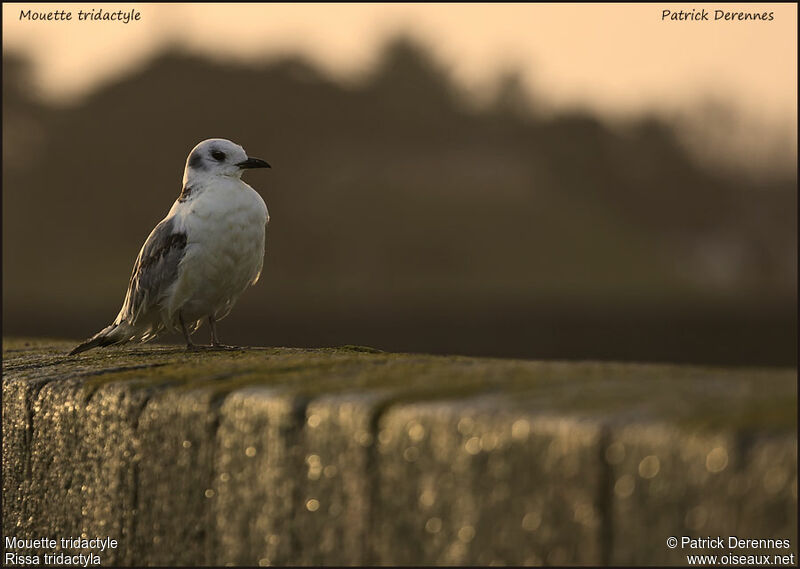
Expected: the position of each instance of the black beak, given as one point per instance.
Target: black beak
(253, 163)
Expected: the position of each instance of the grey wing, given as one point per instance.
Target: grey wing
(155, 270)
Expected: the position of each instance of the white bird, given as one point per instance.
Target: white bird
(201, 257)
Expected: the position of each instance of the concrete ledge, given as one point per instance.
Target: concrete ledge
(351, 456)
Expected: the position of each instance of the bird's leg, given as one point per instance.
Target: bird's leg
(213, 324)
(189, 345)
(214, 340)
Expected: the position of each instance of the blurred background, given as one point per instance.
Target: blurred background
(537, 181)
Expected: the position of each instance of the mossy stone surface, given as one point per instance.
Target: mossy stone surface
(351, 455)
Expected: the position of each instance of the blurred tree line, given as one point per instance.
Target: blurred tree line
(403, 216)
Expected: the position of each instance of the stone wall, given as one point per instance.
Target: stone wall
(277, 456)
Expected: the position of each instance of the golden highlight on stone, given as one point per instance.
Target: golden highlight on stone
(427, 498)
(465, 425)
(775, 479)
(531, 521)
(696, 518)
(411, 454)
(625, 486)
(649, 467)
(520, 430)
(473, 445)
(416, 432)
(466, 534)
(717, 460)
(433, 525)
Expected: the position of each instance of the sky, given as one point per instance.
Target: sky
(617, 59)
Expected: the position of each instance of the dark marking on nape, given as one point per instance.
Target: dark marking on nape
(196, 161)
(186, 192)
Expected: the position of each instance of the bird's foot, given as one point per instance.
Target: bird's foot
(197, 348)
(218, 346)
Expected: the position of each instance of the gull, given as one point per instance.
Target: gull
(200, 258)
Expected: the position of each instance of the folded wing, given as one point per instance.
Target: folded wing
(154, 272)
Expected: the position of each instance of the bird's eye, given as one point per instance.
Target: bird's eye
(218, 155)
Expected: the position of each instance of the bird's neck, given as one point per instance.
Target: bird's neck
(195, 184)
(194, 177)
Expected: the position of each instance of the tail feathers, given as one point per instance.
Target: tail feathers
(108, 336)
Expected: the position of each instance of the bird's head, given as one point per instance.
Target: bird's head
(218, 157)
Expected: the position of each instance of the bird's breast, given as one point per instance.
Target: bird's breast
(225, 248)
